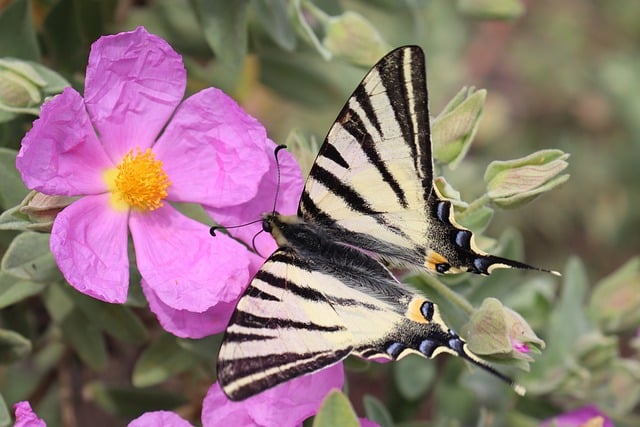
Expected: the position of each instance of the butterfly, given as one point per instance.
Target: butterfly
(368, 203)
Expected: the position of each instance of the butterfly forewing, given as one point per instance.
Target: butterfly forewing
(374, 169)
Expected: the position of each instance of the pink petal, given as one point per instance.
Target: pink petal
(25, 417)
(364, 422)
(89, 243)
(61, 154)
(159, 419)
(213, 151)
(187, 324)
(186, 267)
(134, 82)
(288, 404)
(578, 417)
(288, 197)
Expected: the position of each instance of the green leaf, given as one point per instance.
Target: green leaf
(17, 34)
(567, 323)
(274, 17)
(29, 258)
(164, 358)
(78, 330)
(130, 402)
(225, 29)
(413, 376)
(63, 38)
(377, 412)
(13, 346)
(12, 190)
(5, 416)
(115, 319)
(13, 290)
(336, 410)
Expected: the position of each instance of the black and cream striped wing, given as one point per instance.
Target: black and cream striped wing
(280, 329)
(299, 316)
(371, 185)
(373, 174)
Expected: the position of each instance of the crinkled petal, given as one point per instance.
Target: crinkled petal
(135, 80)
(89, 243)
(187, 324)
(213, 151)
(61, 154)
(186, 267)
(25, 417)
(159, 419)
(291, 183)
(287, 404)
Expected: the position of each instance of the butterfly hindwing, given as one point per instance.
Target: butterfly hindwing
(310, 306)
(280, 329)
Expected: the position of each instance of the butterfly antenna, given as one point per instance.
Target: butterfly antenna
(275, 154)
(213, 229)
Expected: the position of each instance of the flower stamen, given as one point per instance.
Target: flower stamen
(138, 181)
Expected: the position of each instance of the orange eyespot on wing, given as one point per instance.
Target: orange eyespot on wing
(436, 263)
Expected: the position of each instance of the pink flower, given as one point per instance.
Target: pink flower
(125, 150)
(185, 323)
(25, 417)
(159, 419)
(287, 404)
(586, 416)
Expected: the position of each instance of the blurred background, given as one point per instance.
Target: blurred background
(559, 75)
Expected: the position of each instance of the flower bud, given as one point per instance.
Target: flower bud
(497, 331)
(514, 182)
(453, 130)
(352, 37)
(19, 86)
(42, 209)
(615, 301)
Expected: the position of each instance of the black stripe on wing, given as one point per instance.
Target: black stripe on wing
(408, 93)
(268, 371)
(355, 126)
(351, 197)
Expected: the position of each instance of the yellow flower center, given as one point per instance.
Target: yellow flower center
(138, 182)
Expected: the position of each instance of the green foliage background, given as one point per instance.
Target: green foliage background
(558, 75)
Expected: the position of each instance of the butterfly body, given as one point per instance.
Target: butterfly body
(368, 204)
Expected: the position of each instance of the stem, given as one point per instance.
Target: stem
(451, 296)
(315, 11)
(474, 206)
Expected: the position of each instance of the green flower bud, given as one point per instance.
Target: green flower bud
(615, 301)
(42, 209)
(352, 37)
(20, 86)
(492, 9)
(514, 182)
(453, 130)
(474, 218)
(497, 331)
